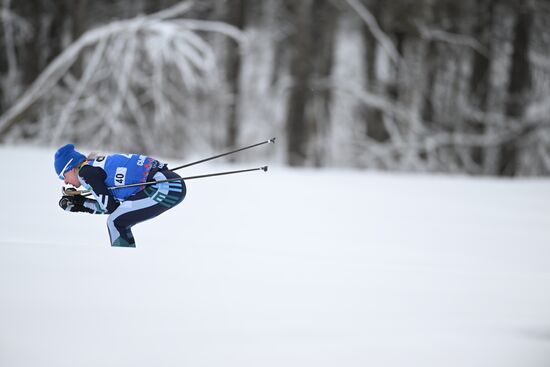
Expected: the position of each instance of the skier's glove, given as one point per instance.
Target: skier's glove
(72, 203)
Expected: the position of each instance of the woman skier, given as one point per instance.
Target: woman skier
(126, 206)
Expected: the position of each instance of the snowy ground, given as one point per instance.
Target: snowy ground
(288, 268)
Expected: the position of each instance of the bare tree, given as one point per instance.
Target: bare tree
(298, 131)
(118, 100)
(373, 118)
(430, 85)
(309, 100)
(325, 16)
(480, 77)
(236, 10)
(519, 84)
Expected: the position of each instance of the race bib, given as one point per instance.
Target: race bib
(120, 176)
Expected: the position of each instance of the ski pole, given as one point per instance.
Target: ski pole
(73, 192)
(272, 140)
(264, 168)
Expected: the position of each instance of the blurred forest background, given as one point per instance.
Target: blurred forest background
(403, 85)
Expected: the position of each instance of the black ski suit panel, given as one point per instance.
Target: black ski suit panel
(95, 178)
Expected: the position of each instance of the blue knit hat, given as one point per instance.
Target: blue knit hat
(66, 158)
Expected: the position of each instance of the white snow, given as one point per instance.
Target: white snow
(340, 268)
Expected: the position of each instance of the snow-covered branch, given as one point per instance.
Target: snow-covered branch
(451, 38)
(375, 29)
(414, 142)
(128, 68)
(173, 11)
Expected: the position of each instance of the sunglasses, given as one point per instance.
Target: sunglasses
(65, 169)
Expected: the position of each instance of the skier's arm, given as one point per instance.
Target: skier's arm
(77, 203)
(93, 179)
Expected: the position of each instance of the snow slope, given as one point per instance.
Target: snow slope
(287, 268)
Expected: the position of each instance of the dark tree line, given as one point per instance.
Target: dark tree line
(420, 85)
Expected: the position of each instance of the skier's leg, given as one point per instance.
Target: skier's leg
(146, 204)
(167, 194)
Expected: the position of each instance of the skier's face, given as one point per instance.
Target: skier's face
(71, 177)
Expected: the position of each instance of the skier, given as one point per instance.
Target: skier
(125, 206)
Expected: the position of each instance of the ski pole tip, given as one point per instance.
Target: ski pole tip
(264, 168)
(272, 140)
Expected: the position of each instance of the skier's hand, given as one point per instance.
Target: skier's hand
(72, 203)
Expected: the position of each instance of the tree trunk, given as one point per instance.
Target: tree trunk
(312, 51)
(373, 117)
(236, 17)
(324, 34)
(78, 12)
(30, 52)
(480, 81)
(518, 87)
(300, 92)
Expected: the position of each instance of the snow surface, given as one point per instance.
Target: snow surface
(286, 268)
